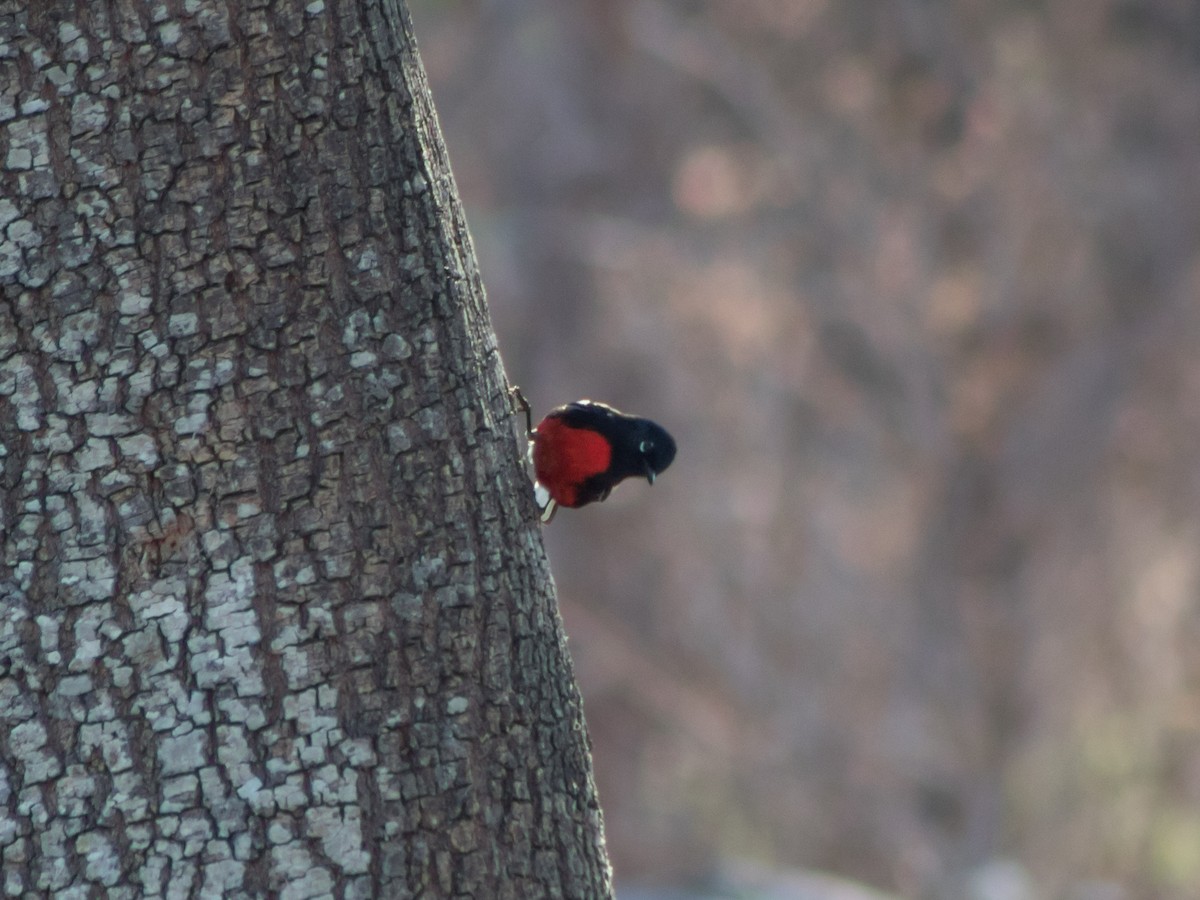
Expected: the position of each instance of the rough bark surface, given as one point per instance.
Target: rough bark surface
(275, 615)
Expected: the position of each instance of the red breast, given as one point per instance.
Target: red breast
(565, 457)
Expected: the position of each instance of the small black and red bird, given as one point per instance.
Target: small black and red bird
(582, 450)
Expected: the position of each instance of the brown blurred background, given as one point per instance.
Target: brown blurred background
(916, 286)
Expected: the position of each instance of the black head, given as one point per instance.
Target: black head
(655, 448)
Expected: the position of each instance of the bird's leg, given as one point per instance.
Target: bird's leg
(545, 504)
(521, 403)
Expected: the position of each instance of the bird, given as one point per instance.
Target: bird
(582, 450)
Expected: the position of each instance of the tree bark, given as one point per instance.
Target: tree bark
(275, 614)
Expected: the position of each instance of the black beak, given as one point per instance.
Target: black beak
(650, 473)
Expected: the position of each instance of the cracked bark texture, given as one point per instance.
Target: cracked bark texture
(275, 615)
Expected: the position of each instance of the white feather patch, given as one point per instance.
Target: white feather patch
(545, 502)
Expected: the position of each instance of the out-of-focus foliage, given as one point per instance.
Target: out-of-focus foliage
(916, 285)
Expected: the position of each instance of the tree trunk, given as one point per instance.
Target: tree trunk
(275, 614)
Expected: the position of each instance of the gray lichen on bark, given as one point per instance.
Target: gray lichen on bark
(274, 611)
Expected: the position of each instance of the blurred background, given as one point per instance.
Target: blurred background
(915, 286)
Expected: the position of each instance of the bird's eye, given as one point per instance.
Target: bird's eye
(645, 445)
